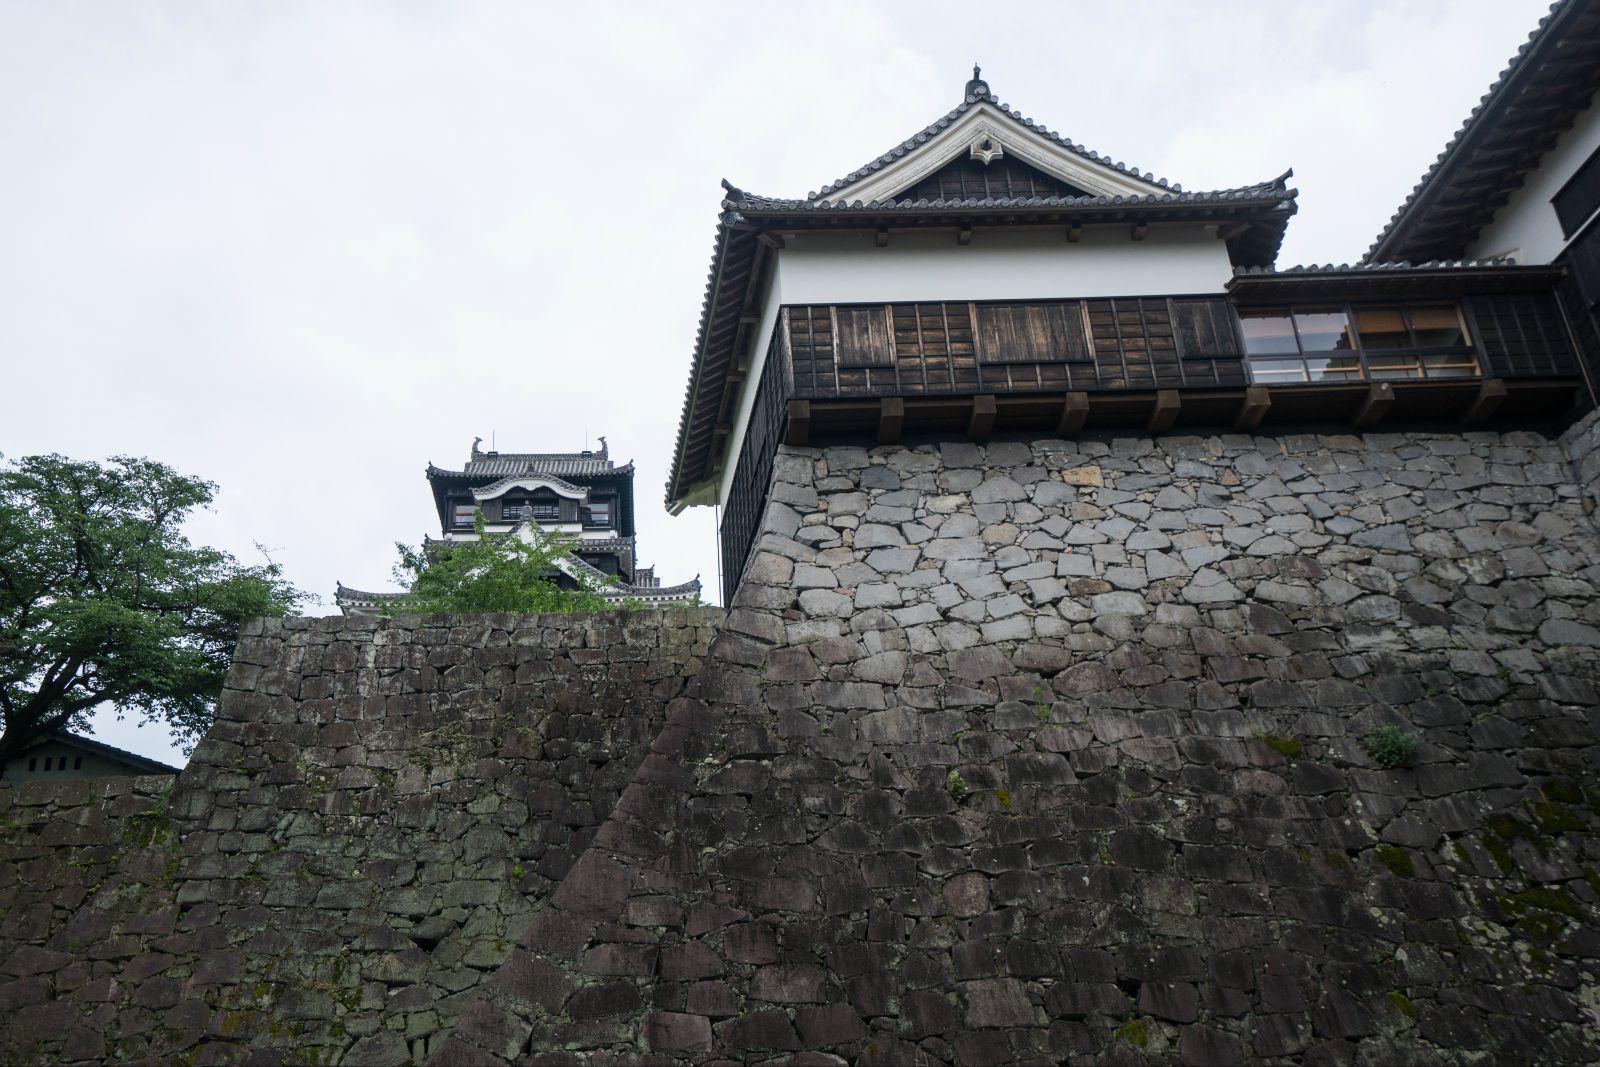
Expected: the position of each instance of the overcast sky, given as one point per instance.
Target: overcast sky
(304, 249)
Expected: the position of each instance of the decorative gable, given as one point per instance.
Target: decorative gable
(982, 132)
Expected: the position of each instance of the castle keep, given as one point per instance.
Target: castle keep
(1134, 652)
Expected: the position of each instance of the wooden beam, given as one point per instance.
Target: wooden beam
(771, 240)
(1229, 230)
(965, 236)
(1074, 233)
(1491, 394)
(799, 431)
(1374, 405)
(1252, 409)
(891, 417)
(883, 237)
(1074, 410)
(1139, 230)
(1165, 412)
(981, 424)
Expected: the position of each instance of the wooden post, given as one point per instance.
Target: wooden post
(1074, 232)
(965, 236)
(981, 424)
(1074, 411)
(1374, 405)
(1139, 230)
(1491, 394)
(891, 417)
(1253, 409)
(1165, 412)
(799, 423)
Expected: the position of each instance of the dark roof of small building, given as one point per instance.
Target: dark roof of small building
(99, 748)
(1551, 79)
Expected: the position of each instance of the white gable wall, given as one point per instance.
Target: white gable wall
(1526, 226)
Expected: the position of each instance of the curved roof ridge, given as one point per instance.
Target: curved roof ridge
(739, 200)
(984, 95)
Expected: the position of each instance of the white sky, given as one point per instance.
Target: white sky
(302, 249)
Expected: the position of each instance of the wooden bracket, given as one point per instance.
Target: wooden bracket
(1252, 409)
(981, 424)
(1229, 230)
(1165, 412)
(1139, 230)
(1491, 394)
(1074, 410)
(891, 417)
(799, 431)
(771, 240)
(883, 237)
(1374, 406)
(1074, 233)
(964, 237)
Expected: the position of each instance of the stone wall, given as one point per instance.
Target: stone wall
(1582, 443)
(1046, 751)
(356, 844)
(1025, 752)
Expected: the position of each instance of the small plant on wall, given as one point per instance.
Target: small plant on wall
(1391, 746)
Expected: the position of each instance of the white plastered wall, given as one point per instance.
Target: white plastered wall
(1526, 226)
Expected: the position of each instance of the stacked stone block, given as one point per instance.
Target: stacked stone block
(1061, 751)
(354, 847)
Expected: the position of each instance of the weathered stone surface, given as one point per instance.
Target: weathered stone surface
(1065, 775)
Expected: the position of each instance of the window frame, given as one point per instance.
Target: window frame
(1589, 169)
(1364, 372)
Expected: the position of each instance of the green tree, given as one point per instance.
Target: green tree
(104, 600)
(510, 573)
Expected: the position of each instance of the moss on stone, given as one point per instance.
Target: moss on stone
(1398, 860)
(1287, 747)
(1402, 1004)
(1134, 1033)
(1004, 797)
(1554, 818)
(1563, 790)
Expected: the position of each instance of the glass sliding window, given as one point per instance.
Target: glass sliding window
(1424, 341)
(1269, 334)
(1305, 345)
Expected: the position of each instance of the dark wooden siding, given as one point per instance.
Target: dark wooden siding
(1027, 346)
(967, 179)
(1584, 320)
(747, 495)
(1520, 335)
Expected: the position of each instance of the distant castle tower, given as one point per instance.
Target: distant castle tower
(581, 495)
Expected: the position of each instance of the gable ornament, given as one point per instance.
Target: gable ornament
(986, 147)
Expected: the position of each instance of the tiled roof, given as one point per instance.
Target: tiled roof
(557, 464)
(100, 748)
(974, 96)
(1265, 192)
(1557, 70)
(1395, 265)
(346, 597)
